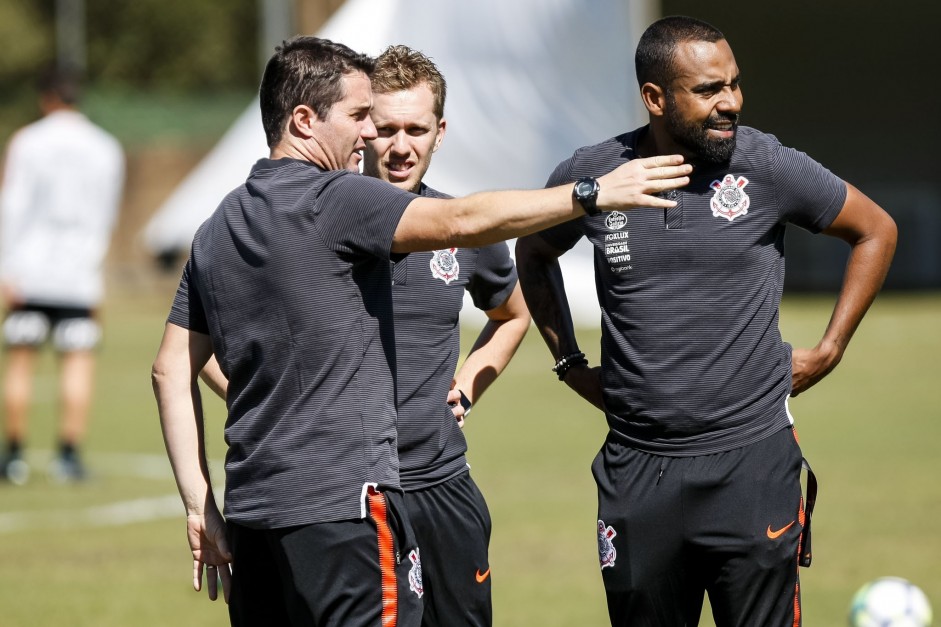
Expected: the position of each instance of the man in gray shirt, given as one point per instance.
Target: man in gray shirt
(699, 477)
(447, 510)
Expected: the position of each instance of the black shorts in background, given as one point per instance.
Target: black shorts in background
(71, 329)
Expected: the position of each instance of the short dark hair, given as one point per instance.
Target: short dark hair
(65, 84)
(399, 68)
(654, 61)
(305, 70)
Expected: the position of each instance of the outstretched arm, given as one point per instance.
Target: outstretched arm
(493, 350)
(474, 221)
(181, 356)
(872, 234)
(541, 278)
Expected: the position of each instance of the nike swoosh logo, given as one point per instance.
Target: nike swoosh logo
(777, 534)
(482, 576)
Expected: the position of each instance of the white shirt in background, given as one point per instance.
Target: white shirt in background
(59, 200)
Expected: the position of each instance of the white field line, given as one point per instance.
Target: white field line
(119, 513)
(111, 515)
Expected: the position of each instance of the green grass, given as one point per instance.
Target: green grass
(870, 430)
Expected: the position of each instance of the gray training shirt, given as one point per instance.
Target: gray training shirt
(291, 279)
(692, 358)
(428, 292)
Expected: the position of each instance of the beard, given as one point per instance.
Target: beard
(694, 136)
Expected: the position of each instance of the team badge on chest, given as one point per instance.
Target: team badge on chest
(730, 200)
(444, 265)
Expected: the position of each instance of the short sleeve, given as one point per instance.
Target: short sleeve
(359, 214)
(187, 310)
(808, 194)
(494, 277)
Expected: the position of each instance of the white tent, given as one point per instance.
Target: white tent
(529, 81)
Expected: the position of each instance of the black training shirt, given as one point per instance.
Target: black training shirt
(290, 277)
(692, 358)
(428, 292)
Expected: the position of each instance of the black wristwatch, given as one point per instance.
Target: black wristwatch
(586, 193)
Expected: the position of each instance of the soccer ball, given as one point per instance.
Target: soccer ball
(890, 602)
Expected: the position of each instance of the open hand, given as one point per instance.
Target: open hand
(206, 534)
(635, 183)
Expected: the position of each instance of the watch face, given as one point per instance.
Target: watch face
(584, 188)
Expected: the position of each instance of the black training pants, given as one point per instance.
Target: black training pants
(673, 528)
(452, 527)
(354, 573)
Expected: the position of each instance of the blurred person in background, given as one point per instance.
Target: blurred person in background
(61, 191)
(699, 478)
(447, 510)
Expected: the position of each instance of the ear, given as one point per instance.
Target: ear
(442, 127)
(655, 99)
(302, 121)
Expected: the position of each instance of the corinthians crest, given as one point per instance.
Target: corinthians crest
(730, 200)
(606, 551)
(444, 265)
(414, 574)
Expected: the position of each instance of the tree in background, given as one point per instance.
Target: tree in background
(142, 46)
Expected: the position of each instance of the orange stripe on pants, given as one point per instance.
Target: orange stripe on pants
(378, 511)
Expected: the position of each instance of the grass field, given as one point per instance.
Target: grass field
(113, 552)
